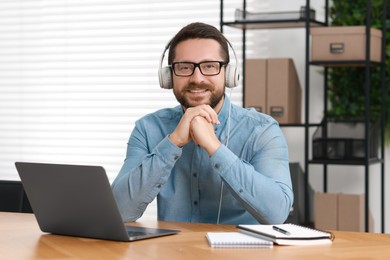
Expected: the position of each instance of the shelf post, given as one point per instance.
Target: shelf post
(307, 105)
(221, 16)
(243, 55)
(383, 113)
(325, 119)
(367, 89)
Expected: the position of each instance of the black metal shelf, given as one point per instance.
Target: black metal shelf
(273, 24)
(346, 162)
(344, 63)
(306, 23)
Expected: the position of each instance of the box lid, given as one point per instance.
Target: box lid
(344, 30)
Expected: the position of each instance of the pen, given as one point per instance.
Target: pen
(281, 230)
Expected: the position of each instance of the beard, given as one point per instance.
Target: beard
(186, 102)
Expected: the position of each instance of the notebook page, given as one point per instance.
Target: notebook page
(295, 231)
(235, 239)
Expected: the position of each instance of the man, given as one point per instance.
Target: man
(206, 160)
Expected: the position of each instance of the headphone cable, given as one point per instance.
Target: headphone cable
(227, 144)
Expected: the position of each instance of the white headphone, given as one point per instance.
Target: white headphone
(232, 74)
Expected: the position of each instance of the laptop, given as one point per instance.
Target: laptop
(77, 200)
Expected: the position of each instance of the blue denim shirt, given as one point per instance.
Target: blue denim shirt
(187, 182)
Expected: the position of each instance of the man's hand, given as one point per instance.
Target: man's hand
(202, 133)
(182, 134)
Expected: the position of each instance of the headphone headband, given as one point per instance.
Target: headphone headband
(165, 73)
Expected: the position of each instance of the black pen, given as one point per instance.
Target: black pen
(281, 230)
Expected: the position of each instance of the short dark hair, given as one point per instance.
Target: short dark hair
(199, 31)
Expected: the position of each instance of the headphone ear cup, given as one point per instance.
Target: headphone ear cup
(165, 77)
(231, 76)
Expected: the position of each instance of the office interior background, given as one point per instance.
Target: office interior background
(76, 75)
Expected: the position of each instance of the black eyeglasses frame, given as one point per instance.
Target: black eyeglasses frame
(198, 65)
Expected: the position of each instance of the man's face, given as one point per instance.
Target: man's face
(199, 89)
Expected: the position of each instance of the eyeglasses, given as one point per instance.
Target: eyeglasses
(207, 68)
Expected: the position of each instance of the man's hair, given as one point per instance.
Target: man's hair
(199, 31)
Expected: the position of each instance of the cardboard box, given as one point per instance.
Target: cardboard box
(340, 212)
(344, 43)
(272, 87)
(283, 91)
(351, 212)
(256, 84)
(326, 211)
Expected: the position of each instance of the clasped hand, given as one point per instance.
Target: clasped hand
(197, 124)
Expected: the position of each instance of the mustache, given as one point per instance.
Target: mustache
(198, 86)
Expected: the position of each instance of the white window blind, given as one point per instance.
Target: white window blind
(75, 75)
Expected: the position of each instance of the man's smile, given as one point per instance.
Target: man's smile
(197, 90)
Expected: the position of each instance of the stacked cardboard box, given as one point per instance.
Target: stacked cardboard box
(340, 212)
(344, 43)
(272, 87)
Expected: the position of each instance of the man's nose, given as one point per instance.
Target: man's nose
(197, 76)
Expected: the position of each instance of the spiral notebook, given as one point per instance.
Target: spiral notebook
(288, 234)
(236, 239)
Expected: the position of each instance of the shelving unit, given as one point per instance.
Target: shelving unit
(307, 22)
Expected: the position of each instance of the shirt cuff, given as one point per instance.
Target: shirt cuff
(168, 150)
(223, 158)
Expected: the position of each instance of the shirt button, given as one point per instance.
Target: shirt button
(158, 185)
(217, 166)
(195, 203)
(195, 175)
(241, 191)
(176, 157)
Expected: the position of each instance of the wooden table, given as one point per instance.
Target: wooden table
(21, 238)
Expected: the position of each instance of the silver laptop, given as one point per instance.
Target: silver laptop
(77, 200)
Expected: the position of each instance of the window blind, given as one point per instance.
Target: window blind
(75, 75)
